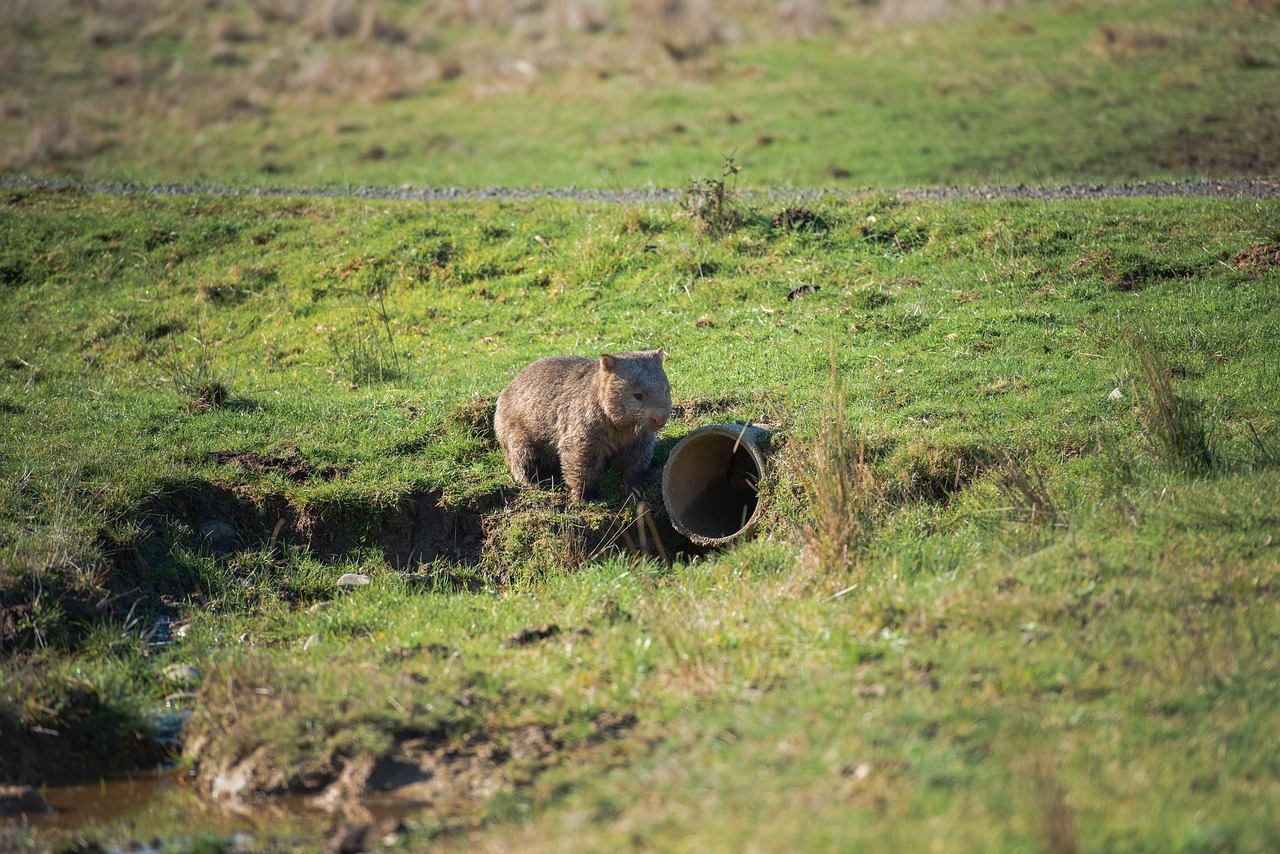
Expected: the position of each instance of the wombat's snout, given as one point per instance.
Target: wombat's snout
(657, 421)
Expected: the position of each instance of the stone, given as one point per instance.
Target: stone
(353, 579)
(182, 675)
(219, 537)
(21, 799)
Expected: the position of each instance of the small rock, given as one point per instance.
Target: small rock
(353, 579)
(1116, 394)
(181, 674)
(391, 831)
(20, 799)
(218, 537)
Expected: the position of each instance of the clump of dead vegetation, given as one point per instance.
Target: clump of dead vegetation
(842, 489)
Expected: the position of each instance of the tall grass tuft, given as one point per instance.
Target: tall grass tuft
(1023, 485)
(1021, 482)
(1177, 427)
(192, 376)
(842, 490)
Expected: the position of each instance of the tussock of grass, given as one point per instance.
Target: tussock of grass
(841, 489)
(1178, 428)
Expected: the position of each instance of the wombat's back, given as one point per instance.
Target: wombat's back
(543, 394)
(578, 415)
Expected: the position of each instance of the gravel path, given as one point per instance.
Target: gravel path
(1234, 188)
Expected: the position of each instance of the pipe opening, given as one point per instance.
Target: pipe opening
(711, 488)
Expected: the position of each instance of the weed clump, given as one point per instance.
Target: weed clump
(209, 394)
(798, 218)
(712, 203)
(190, 375)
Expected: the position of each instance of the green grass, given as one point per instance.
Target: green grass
(955, 670)
(1044, 92)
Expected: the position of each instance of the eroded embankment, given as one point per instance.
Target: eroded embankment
(416, 529)
(193, 545)
(210, 543)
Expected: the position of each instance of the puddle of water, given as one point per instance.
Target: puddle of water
(158, 805)
(102, 802)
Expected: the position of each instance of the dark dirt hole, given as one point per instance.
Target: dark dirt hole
(524, 637)
(292, 467)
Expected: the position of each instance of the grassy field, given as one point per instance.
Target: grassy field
(595, 93)
(1015, 587)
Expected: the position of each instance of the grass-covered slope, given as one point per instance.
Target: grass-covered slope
(612, 94)
(1015, 587)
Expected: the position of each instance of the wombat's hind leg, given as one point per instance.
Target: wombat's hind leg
(582, 472)
(523, 463)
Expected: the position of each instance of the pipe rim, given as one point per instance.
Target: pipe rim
(676, 497)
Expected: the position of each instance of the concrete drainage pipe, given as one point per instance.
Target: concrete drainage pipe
(710, 484)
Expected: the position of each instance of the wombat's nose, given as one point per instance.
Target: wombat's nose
(657, 422)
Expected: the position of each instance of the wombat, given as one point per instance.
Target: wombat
(577, 416)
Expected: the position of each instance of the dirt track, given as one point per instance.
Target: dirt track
(1233, 188)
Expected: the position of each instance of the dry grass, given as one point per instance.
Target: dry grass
(57, 138)
(1022, 483)
(897, 12)
(803, 19)
(841, 488)
(684, 29)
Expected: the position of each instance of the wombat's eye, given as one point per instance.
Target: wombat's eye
(639, 395)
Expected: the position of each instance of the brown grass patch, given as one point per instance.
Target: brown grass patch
(684, 29)
(57, 138)
(1121, 41)
(1257, 260)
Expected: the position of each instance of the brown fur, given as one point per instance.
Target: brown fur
(578, 416)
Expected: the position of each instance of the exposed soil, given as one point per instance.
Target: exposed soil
(293, 467)
(524, 637)
(72, 747)
(1258, 260)
(416, 530)
(447, 774)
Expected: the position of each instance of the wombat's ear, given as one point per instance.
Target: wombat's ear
(660, 354)
(608, 362)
